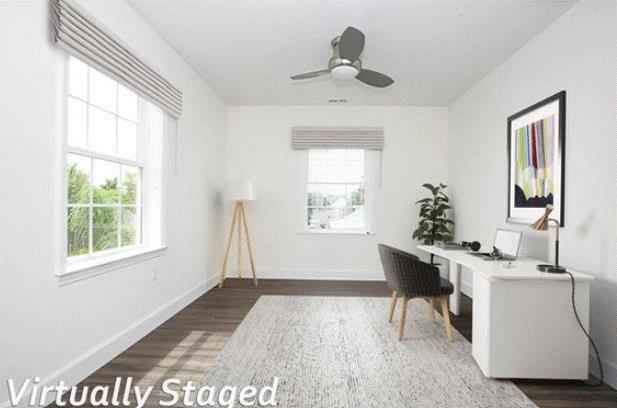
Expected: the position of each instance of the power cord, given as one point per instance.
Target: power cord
(595, 349)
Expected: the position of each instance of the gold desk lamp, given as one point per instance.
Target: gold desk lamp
(542, 225)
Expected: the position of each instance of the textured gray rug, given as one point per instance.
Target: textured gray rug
(341, 352)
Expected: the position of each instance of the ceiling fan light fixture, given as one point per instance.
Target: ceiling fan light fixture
(345, 63)
(344, 72)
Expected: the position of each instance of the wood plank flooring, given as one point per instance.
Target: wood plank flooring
(186, 345)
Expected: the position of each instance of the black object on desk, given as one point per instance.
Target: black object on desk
(460, 246)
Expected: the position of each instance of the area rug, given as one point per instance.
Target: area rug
(341, 352)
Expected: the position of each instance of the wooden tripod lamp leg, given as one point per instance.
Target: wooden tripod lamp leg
(240, 217)
(249, 245)
(231, 233)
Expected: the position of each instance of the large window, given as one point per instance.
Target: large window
(336, 190)
(104, 164)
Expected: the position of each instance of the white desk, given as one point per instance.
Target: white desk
(523, 324)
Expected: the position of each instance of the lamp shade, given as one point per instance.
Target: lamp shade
(542, 223)
(236, 190)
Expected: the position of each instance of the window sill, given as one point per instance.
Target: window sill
(90, 268)
(334, 232)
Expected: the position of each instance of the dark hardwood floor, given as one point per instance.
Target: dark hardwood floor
(186, 345)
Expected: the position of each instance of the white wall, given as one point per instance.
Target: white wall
(45, 328)
(576, 54)
(259, 148)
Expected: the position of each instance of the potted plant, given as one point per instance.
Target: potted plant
(434, 225)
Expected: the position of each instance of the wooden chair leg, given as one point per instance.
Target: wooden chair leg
(392, 305)
(446, 316)
(431, 309)
(401, 330)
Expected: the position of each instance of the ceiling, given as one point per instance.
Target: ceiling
(434, 50)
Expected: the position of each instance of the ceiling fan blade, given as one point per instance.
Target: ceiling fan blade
(351, 44)
(308, 75)
(374, 78)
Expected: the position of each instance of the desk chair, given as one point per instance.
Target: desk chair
(406, 275)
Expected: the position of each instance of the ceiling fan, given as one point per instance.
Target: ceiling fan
(345, 64)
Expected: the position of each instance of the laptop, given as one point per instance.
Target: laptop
(505, 246)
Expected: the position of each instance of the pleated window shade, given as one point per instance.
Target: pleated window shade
(367, 138)
(81, 35)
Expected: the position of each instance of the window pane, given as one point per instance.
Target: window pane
(127, 139)
(327, 171)
(104, 228)
(102, 131)
(319, 218)
(355, 195)
(318, 154)
(131, 226)
(336, 188)
(102, 91)
(339, 206)
(318, 194)
(77, 123)
(104, 197)
(318, 171)
(78, 230)
(316, 199)
(348, 219)
(354, 171)
(336, 154)
(335, 191)
(78, 179)
(78, 78)
(105, 176)
(315, 219)
(127, 103)
(129, 185)
(316, 188)
(354, 154)
(337, 197)
(349, 209)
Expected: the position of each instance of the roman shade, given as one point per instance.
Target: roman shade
(81, 35)
(308, 137)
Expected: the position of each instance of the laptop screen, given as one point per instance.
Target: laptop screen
(508, 242)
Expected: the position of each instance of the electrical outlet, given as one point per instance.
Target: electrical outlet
(155, 273)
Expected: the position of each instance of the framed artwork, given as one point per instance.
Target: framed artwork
(536, 156)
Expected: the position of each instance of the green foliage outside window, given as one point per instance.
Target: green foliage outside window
(104, 219)
(357, 197)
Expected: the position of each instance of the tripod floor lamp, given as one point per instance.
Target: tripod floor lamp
(239, 191)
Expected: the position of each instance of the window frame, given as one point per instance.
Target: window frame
(92, 257)
(368, 185)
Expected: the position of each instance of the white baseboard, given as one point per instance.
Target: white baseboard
(320, 274)
(610, 369)
(87, 363)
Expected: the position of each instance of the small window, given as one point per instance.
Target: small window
(104, 164)
(337, 190)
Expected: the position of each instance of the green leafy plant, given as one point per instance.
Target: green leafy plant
(434, 223)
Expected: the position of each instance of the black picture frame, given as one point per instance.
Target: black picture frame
(531, 215)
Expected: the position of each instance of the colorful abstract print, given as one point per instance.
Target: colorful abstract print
(535, 155)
